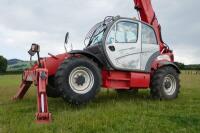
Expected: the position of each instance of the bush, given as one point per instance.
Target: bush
(3, 64)
(180, 65)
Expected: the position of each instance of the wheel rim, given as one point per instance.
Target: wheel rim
(169, 84)
(81, 80)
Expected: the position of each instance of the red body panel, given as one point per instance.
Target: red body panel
(125, 80)
(52, 63)
(140, 80)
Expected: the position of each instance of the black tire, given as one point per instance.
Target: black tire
(63, 79)
(165, 83)
(52, 91)
(129, 91)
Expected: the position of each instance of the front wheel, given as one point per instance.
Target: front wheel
(165, 83)
(78, 80)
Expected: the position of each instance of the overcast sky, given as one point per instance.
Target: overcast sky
(45, 22)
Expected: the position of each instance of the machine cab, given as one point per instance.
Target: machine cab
(126, 44)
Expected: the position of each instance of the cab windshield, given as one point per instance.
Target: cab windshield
(95, 35)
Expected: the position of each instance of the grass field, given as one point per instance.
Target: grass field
(109, 112)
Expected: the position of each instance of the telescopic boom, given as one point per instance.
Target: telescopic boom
(147, 14)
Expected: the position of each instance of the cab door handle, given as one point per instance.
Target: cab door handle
(112, 48)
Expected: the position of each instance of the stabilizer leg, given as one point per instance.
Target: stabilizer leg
(43, 115)
(25, 85)
(27, 80)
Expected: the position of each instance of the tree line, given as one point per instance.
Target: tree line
(182, 66)
(3, 64)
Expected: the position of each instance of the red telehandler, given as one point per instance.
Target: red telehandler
(121, 53)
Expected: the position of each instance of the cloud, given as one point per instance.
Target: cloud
(45, 22)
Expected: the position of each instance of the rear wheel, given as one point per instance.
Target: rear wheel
(165, 83)
(78, 80)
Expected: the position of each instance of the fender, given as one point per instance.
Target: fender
(89, 55)
(167, 63)
(162, 63)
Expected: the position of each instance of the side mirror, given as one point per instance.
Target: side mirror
(66, 37)
(34, 49)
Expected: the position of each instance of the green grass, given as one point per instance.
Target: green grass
(109, 112)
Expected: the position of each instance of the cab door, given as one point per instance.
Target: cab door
(123, 45)
(150, 47)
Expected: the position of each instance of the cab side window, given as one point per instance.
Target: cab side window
(148, 35)
(123, 32)
(126, 32)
